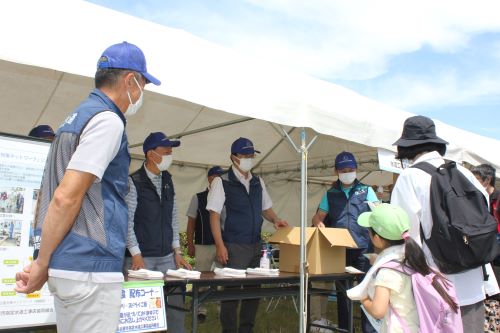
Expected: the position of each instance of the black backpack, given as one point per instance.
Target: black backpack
(463, 234)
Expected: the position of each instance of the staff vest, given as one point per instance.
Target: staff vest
(344, 211)
(202, 232)
(243, 222)
(96, 241)
(153, 215)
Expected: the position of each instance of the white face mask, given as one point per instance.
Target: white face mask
(166, 161)
(347, 178)
(133, 108)
(246, 164)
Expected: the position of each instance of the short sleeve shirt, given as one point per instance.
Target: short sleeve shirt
(324, 206)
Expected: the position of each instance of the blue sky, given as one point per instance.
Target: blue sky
(436, 58)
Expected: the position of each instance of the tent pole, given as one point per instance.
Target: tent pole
(303, 150)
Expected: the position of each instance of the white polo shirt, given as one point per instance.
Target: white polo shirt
(217, 196)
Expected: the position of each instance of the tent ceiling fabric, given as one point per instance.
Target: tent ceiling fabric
(191, 69)
(48, 60)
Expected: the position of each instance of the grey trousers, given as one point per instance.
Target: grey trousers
(86, 306)
(473, 317)
(241, 256)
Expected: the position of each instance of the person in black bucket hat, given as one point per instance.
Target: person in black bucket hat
(418, 130)
(419, 143)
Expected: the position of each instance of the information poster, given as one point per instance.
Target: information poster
(143, 307)
(388, 162)
(22, 161)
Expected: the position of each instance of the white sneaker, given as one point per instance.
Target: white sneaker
(322, 322)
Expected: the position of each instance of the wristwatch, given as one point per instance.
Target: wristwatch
(177, 250)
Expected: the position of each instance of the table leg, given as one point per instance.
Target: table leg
(194, 308)
(350, 320)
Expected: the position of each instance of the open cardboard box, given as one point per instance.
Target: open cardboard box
(325, 249)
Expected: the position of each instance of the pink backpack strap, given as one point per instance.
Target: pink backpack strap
(399, 267)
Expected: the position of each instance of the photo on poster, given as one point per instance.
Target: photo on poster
(35, 200)
(10, 232)
(11, 200)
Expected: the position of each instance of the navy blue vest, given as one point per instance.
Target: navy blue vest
(202, 232)
(153, 217)
(243, 210)
(344, 211)
(80, 253)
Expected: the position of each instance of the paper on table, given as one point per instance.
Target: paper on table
(263, 271)
(184, 273)
(230, 272)
(145, 274)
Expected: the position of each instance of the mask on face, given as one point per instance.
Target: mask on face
(347, 178)
(246, 164)
(166, 161)
(133, 108)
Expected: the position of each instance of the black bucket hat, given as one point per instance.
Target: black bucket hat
(418, 130)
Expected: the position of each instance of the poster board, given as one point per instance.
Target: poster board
(143, 307)
(22, 161)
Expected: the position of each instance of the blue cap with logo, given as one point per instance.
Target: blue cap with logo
(243, 146)
(42, 131)
(345, 160)
(158, 139)
(216, 170)
(126, 56)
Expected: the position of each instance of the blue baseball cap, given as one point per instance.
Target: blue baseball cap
(126, 56)
(216, 170)
(158, 139)
(345, 160)
(42, 131)
(243, 146)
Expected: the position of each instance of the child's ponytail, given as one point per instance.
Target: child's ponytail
(415, 258)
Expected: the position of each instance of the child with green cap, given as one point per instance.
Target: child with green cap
(388, 288)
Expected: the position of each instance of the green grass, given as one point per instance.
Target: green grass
(279, 318)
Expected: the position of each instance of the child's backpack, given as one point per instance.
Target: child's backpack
(463, 234)
(434, 314)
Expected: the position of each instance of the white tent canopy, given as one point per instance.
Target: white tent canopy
(47, 63)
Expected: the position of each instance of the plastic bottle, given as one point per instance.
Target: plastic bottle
(264, 261)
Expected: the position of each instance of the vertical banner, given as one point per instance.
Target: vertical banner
(143, 307)
(22, 161)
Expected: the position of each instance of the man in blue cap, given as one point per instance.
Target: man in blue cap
(200, 241)
(42, 132)
(153, 232)
(339, 208)
(81, 220)
(238, 245)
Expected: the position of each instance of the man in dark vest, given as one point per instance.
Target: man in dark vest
(81, 218)
(238, 245)
(200, 241)
(340, 207)
(153, 233)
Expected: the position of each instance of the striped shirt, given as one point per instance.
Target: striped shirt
(131, 199)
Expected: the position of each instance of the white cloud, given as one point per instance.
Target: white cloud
(340, 39)
(440, 89)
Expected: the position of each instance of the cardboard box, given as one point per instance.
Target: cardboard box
(325, 249)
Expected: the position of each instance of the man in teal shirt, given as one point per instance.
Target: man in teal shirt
(340, 207)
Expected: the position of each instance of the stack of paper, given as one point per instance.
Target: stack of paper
(145, 274)
(263, 271)
(230, 272)
(184, 273)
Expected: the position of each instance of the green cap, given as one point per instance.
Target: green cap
(388, 221)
